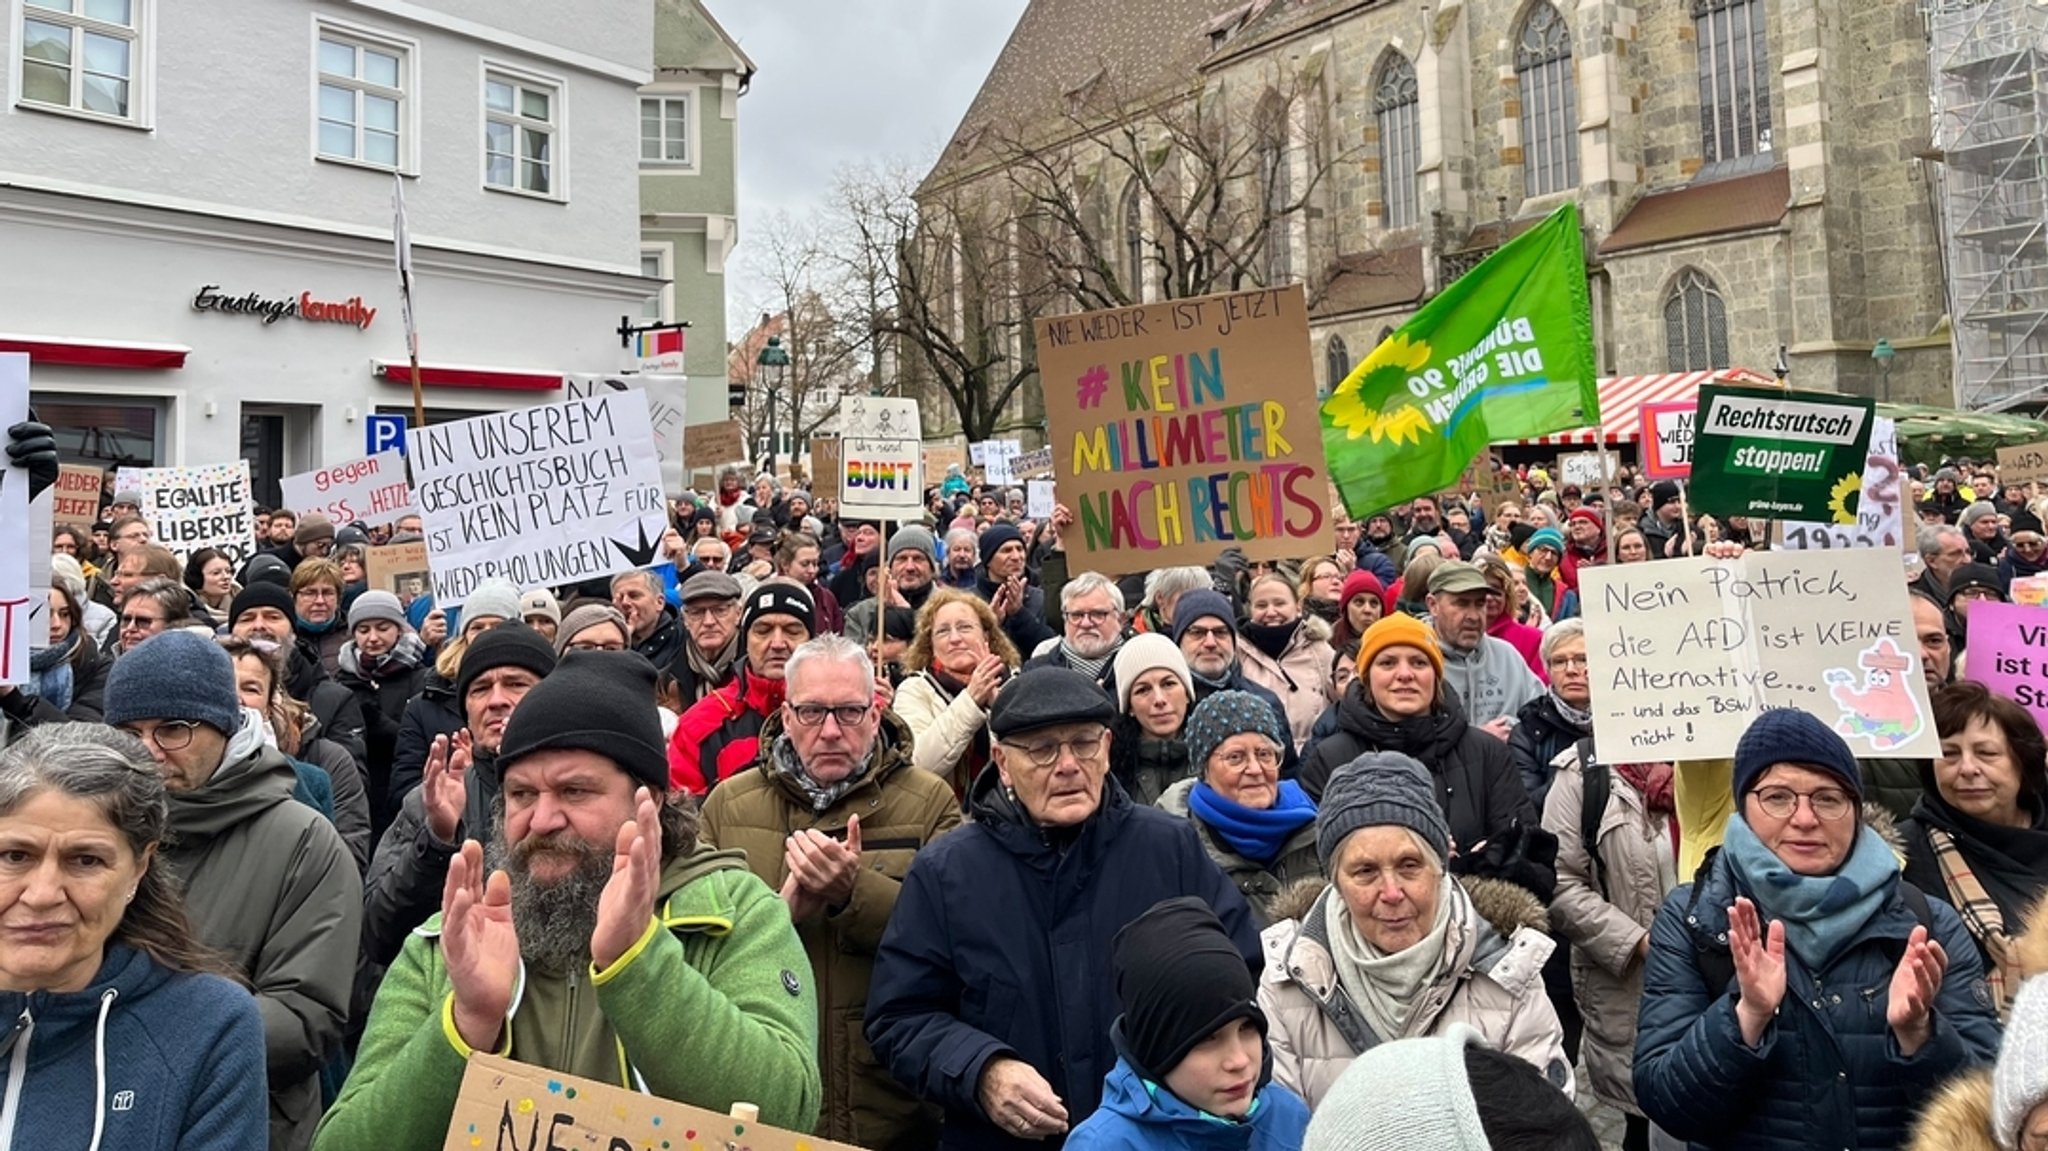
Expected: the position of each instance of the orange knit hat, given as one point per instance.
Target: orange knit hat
(1399, 630)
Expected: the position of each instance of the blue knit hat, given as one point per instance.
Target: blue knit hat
(1224, 714)
(995, 537)
(1545, 538)
(175, 675)
(1788, 735)
(1201, 603)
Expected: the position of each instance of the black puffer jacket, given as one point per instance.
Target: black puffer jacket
(1541, 732)
(1476, 783)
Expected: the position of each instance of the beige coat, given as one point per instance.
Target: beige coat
(1607, 976)
(1493, 983)
(1302, 677)
(942, 730)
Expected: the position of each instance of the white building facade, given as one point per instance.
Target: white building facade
(196, 215)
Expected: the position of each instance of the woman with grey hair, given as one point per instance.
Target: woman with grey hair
(1393, 947)
(1163, 586)
(1553, 722)
(121, 1024)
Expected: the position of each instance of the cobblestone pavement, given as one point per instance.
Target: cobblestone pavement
(1606, 1118)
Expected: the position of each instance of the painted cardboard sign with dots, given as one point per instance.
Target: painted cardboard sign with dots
(510, 1106)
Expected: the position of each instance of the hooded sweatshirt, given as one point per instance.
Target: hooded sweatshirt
(142, 1059)
(271, 886)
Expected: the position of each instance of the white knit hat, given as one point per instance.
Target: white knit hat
(2019, 1081)
(1408, 1095)
(1148, 651)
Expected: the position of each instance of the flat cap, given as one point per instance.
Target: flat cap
(1046, 697)
(710, 585)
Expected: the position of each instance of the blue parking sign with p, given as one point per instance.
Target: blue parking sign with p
(384, 433)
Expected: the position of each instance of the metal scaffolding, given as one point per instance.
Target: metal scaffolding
(1989, 62)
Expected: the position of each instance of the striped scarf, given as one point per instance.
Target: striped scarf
(1981, 916)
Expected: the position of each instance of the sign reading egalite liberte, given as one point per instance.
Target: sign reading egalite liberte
(1778, 455)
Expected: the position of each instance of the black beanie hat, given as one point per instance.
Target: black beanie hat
(1179, 979)
(262, 593)
(779, 597)
(597, 701)
(507, 645)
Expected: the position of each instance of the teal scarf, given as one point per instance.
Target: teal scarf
(1821, 913)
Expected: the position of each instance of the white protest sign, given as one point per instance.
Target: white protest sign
(881, 459)
(189, 508)
(41, 519)
(1038, 499)
(1684, 653)
(1587, 469)
(977, 453)
(16, 597)
(667, 412)
(540, 496)
(1876, 506)
(369, 490)
(1002, 458)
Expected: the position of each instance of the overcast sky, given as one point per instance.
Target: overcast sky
(848, 80)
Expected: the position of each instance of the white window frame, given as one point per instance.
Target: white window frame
(693, 103)
(557, 90)
(408, 52)
(141, 62)
(666, 255)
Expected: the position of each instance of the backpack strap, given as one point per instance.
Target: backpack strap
(1592, 805)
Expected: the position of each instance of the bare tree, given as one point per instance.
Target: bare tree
(813, 308)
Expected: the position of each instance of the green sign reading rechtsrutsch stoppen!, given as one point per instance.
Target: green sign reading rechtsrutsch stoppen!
(1777, 455)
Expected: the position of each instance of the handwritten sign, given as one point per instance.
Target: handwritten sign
(825, 468)
(1035, 464)
(1184, 428)
(189, 508)
(75, 499)
(714, 445)
(938, 458)
(1588, 470)
(401, 569)
(2026, 464)
(667, 407)
(1038, 499)
(1684, 653)
(370, 490)
(1868, 514)
(881, 451)
(1665, 439)
(2008, 646)
(15, 544)
(509, 1106)
(1001, 461)
(540, 496)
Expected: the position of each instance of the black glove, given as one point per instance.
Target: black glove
(1523, 856)
(33, 446)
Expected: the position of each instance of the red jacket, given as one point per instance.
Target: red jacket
(723, 730)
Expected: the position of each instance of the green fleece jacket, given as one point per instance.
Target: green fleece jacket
(713, 1006)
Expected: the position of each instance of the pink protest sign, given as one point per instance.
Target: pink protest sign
(2008, 653)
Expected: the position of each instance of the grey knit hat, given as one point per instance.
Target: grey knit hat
(1224, 714)
(376, 604)
(1377, 789)
(585, 617)
(1977, 511)
(175, 675)
(913, 538)
(1436, 1112)
(493, 597)
(2019, 1081)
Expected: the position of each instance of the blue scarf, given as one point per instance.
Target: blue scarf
(50, 672)
(1822, 913)
(1258, 834)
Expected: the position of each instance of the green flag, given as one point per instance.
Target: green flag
(1504, 353)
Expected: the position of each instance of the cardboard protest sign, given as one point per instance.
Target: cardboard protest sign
(710, 446)
(370, 490)
(76, 497)
(2025, 464)
(16, 599)
(825, 468)
(1778, 455)
(540, 496)
(881, 459)
(189, 508)
(1588, 470)
(2008, 646)
(939, 457)
(1870, 513)
(1035, 464)
(1665, 441)
(667, 412)
(510, 1106)
(1684, 653)
(401, 569)
(1001, 459)
(1184, 428)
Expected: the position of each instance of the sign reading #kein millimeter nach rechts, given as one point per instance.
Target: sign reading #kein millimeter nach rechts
(1777, 455)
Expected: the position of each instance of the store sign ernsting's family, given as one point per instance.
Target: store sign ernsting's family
(303, 306)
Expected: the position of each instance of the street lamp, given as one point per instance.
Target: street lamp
(773, 356)
(1884, 354)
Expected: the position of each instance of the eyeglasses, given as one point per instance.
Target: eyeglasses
(1082, 747)
(813, 714)
(1266, 757)
(1203, 634)
(953, 629)
(596, 646)
(1578, 661)
(1097, 616)
(171, 735)
(1829, 804)
(2028, 545)
(709, 611)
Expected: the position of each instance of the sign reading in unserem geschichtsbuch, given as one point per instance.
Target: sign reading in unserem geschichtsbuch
(1684, 653)
(540, 496)
(1184, 428)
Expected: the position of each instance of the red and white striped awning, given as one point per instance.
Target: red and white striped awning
(1622, 399)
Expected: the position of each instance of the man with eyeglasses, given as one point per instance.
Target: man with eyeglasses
(1092, 610)
(720, 734)
(269, 883)
(1205, 628)
(831, 815)
(990, 997)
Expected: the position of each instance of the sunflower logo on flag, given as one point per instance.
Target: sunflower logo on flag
(1381, 374)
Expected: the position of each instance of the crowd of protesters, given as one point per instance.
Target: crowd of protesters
(918, 835)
